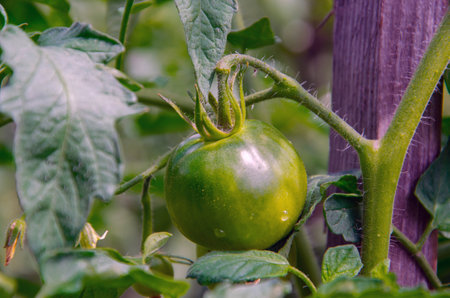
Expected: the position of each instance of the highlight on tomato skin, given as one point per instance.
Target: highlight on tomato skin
(245, 191)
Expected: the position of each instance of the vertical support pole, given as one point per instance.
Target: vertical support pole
(377, 47)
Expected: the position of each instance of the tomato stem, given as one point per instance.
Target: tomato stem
(417, 254)
(304, 278)
(287, 87)
(160, 163)
(223, 111)
(123, 31)
(146, 202)
(307, 260)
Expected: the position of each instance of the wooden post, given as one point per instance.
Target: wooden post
(377, 47)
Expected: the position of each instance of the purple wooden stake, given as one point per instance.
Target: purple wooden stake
(377, 47)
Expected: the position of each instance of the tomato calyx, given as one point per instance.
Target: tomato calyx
(228, 115)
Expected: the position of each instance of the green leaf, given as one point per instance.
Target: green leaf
(345, 286)
(6, 156)
(125, 80)
(447, 78)
(3, 17)
(219, 266)
(159, 122)
(153, 243)
(343, 214)
(8, 286)
(362, 287)
(273, 288)
(446, 125)
(100, 47)
(139, 6)
(206, 25)
(341, 261)
(69, 272)
(318, 185)
(433, 190)
(257, 35)
(61, 5)
(381, 271)
(66, 147)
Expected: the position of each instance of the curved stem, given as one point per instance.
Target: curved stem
(160, 163)
(381, 168)
(287, 87)
(419, 257)
(123, 31)
(426, 233)
(304, 278)
(223, 111)
(147, 224)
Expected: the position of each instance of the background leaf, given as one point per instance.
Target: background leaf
(3, 17)
(257, 35)
(243, 266)
(100, 47)
(341, 261)
(105, 267)
(433, 190)
(66, 148)
(60, 5)
(206, 25)
(273, 288)
(7, 286)
(154, 242)
(343, 214)
(318, 185)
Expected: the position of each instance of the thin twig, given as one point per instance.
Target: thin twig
(419, 257)
(123, 31)
(160, 163)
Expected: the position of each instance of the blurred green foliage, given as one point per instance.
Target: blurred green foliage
(157, 57)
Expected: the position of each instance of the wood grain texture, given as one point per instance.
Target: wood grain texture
(377, 47)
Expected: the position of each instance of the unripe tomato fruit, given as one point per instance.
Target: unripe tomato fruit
(245, 191)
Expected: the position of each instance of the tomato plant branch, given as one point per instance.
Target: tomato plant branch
(382, 163)
(426, 233)
(419, 257)
(123, 31)
(147, 225)
(157, 102)
(287, 87)
(304, 278)
(160, 163)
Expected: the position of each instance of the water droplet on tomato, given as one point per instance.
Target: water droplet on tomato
(219, 233)
(285, 216)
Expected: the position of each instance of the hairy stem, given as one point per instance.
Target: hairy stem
(287, 87)
(147, 224)
(304, 278)
(381, 166)
(426, 233)
(160, 163)
(419, 257)
(123, 31)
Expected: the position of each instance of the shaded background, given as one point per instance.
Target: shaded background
(157, 56)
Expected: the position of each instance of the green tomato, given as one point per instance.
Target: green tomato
(158, 265)
(245, 191)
